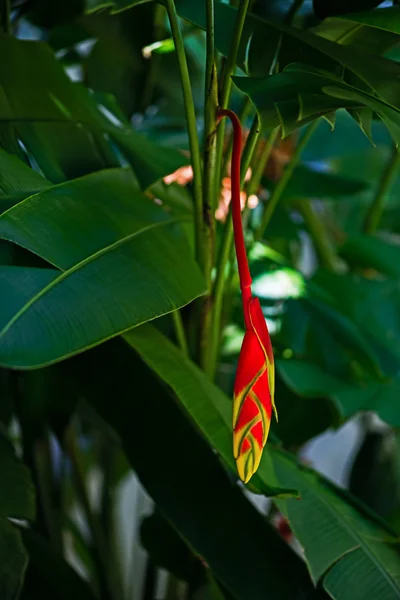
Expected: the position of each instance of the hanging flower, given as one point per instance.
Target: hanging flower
(253, 400)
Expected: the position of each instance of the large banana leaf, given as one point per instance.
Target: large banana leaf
(60, 123)
(17, 180)
(353, 554)
(118, 253)
(183, 476)
(208, 406)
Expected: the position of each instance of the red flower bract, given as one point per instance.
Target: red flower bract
(253, 400)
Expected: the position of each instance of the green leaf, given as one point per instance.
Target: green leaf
(168, 551)
(16, 500)
(61, 125)
(372, 252)
(310, 93)
(17, 180)
(60, 579)
(311, 381)
(183, 476)
(346, 548)
(387, 18)
(378, 73)
(208, 406)
(106, 237)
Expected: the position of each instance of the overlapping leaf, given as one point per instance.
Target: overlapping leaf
(302, 94)
(348, 550)
(118, 255)
(61, 125)
(205, 402)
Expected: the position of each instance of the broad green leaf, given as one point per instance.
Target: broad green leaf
(372, 252)
(378, 73)
(311, 381)
(310, 93)
(17, 180)
(16, 500)
(118, 254)
(183, 476)
(61, 125)
(345, 547)
(168, 551)
(208, 406)
(60, 579)
(95, 299)
(370, 32)
(66, 223)
(387, 18)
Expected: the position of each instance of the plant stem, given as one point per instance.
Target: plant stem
(281, 185)
(226, 86)
(261, 163)
(210, 127)
(5, 11)
(209, 364)
(385, 185)
(180, 331)
(318, 234)
(192, 130)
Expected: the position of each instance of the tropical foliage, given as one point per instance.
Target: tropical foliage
(120, 308)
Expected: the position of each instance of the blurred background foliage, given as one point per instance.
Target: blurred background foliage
(117, 480)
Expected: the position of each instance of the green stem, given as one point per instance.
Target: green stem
(180, 331)
(210, 131)
(385, 185)
(192, 129)
(318, 234)
(5, 11)
(224, 258)
(226, 87)
(261, 163)
(284, 180)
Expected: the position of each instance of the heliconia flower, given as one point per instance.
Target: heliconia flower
(254, 388)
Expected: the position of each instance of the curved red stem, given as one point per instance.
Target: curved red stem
(243, 265)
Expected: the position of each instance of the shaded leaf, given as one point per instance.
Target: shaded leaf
(180, 481)
(341, 542)
(61, 125)
(207, 405)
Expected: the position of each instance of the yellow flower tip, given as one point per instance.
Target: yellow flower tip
(248, 462)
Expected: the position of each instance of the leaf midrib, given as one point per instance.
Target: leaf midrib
(77, 267)
(362, 543)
